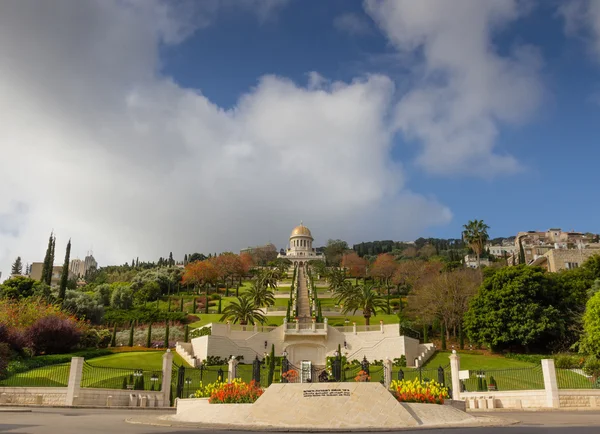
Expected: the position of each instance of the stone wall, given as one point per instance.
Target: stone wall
(33, 395)
(517, 399)
(118, 398)
(557, 258)
(579, 399)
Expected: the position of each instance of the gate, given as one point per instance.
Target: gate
(185, 381)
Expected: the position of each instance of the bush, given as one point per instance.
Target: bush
(94, 338)
(430, 392)
(236, 392)
(592, 367)
(568, 361)
(53, 335)
(203, 331)
(14, 340)
(84, 306)
(122, 296)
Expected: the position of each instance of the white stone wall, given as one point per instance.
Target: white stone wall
(33, 395)
(579, 398)
(516, 399)
(119, 398)
(374, 345)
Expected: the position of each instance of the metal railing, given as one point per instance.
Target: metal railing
(104, 377)
(505, 379)
(46, 376)
(575, 379)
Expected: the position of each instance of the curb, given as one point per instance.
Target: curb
(15, 410)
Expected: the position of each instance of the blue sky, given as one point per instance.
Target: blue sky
(557, 146)
(208, 126)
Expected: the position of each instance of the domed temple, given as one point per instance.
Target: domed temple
(300, 248)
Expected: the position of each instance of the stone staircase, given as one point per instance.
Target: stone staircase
(185, 350)
(425, 352)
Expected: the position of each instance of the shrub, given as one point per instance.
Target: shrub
(53, 335)
(592, 367)
(94, 338)
(203, 331)
(568, 361)
(400, 362)
(14, 340)
(84, 306)
(236, 392)
(4, 358)
(362, 377)
(430, 392)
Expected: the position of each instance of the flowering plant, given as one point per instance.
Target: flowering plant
(362, 377)
(206, 390)
(236, 392)
(291, 376)
(430, 392)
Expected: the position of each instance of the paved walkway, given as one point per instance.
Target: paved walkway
(303, 302)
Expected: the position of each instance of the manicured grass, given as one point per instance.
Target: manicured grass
(46, 376)
(146, 360)
(474, 360)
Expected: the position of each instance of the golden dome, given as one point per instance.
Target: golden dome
(301, 231)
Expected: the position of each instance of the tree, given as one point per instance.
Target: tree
(243, 311)
(17, 267)
(356, 266)
(122, 296)
(384, 268)
(131, 333)
(202, 273)
(516, 308)
(83, 305)
(18, 287)
(48, 261)
(113, 338)
(364, 298)
(149, 336)
(167, 335)
(171, 260)
(271, 372)
(260, 294)
(64, 277)
(334, 251)
(475, 235)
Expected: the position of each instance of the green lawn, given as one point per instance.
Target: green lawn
(474, 360)
(146, 360)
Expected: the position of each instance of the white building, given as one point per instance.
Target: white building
(300, 248)
(80, 267)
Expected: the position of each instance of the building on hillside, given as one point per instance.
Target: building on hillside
(536, 244)
(503, 251)
(261, 254)
(471, 261)
(36, 273)
(300, 248)
(555, 260)
(80, 268)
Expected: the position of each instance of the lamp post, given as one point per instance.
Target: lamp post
(154, 379)
(137, 374)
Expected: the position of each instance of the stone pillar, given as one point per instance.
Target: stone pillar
(228, 327)
(167, 368)
(74, 380)
(314, 325)
(297, 324)
(387, 373)
(354, 327)
(454, 369)
(325, 321)
(232, 368)
(381, 326)
(550, 383)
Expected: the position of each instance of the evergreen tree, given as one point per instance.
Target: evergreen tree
(181, 305)
(443, 332)
(133, 263)
(185, 259)
(167, 335)
(521, 252)
(64, 278)
(461, 337)
(149, 337)
(17, 266)
(186, 336)
(287, 313)
(169, 306)
(271, 366)
(113, 339)
(194, 305)
(137, 262)
(171, 261)
(124, 387)
(320, 313)
(131, 331)
(47, 266)
(425, 336)
(219, 308)
(51, 264)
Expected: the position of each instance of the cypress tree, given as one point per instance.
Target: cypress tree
(521, 252)
(113, 339)
(171, 261)
(137, 262)
(46, 266)
(219, 308)
(443, 332)
(320, 312)
(131, 331)
(425, 336)
(51, 263)
(149, 337)
(186, 336)
(185, 259)
(271, 366)
(17, 266)
(124, 387)
(181, 305)
(64, 278)
(287, 313)
(194, 305)
(167, 335)
(158, 303)
(169, 305)
(461, 337)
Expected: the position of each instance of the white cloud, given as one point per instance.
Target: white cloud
(101, 148)
(463, 89)
(582, 19)
(352, 24)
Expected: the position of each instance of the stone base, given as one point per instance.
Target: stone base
(323, 406)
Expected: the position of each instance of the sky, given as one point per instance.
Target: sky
(136, 128)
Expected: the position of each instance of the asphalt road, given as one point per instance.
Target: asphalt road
(78, 421)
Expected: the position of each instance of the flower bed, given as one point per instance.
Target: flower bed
(236, 392)
(426, 392)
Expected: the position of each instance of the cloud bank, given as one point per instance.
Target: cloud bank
(102, 148)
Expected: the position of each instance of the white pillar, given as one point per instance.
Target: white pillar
(387, 373)
(75, 375)
(550, 383)
(381, 326)
(167, 369)
(232, 368)
(454, 369)
(354, 327)
(314, 325)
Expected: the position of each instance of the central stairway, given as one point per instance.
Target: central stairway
(303, 302)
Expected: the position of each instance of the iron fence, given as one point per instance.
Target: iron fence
(504, 379)
(104, 377)
(576, 379)
(46, 376)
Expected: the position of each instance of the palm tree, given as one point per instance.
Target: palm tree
(362, 297)
(243, 311)
(475, 235)
(260, 294)
(269, 277)
(337, 280)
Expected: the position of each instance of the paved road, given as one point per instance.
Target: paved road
(77, 421)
